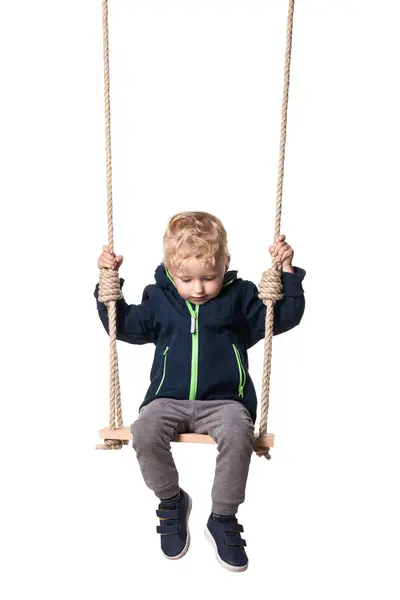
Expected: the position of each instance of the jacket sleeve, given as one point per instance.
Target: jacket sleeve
(135, 322)
(288, 312)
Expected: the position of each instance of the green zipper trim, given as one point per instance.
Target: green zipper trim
(194, 372)
(169, 276)
(228, 283)
(195, 351)
(242, 372)
(165, 366)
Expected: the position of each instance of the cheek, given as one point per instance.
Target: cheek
(183, 289)
(214, 288)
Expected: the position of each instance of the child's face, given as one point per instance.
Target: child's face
(198, 282)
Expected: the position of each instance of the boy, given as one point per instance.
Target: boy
(202, 319)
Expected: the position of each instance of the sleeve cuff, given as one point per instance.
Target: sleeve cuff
(292, 282)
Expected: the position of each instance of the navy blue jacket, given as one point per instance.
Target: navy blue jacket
(201, 351)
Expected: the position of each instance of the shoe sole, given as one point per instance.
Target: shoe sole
(223, 564)
(186, 548)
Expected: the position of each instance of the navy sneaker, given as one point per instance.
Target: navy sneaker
(224, 535)
(175, 536)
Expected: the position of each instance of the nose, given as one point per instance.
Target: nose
(198, 288)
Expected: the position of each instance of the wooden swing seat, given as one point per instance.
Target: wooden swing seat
(124, 433)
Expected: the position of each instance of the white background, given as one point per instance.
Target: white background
(196, 99)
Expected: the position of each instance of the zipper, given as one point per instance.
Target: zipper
(194, 317)
(165, 366)
(194, 370)
(242, 372)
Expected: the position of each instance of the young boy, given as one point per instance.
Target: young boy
(202, 319)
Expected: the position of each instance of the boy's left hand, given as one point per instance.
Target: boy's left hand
(282, 253)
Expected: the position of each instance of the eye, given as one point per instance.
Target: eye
(208, 278)
(185, 280)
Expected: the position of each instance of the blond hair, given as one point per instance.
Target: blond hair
(197, 234)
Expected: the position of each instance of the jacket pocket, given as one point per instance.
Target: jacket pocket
(242, 372)
(164, 369)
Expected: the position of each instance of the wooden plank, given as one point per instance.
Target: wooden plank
(195, 438)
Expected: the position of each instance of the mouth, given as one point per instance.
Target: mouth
(199, 298)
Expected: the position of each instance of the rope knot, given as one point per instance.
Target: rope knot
(109, 288)
(271, 288)
(112, 445)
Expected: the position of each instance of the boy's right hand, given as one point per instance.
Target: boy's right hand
(109, 260)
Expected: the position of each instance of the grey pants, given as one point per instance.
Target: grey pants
(226, 421)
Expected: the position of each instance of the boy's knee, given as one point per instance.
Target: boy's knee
(145, 432)
(236, 422)
(150, 429)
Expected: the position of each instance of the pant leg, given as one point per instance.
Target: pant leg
(230, 425)
(153, 431)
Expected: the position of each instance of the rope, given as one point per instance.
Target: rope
(109, 288)
(271, 284)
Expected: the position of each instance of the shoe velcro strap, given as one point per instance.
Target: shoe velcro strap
(234, 541)
(168, 529)
(235, 527)
(168, 514)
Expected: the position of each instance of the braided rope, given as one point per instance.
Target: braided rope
(109, 288)
(271, 284)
